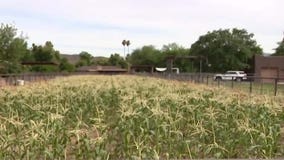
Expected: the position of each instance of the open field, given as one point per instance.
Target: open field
(118, 117)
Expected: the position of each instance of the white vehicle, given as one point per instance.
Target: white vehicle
(231, 75)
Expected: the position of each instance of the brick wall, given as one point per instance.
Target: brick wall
(275, 63)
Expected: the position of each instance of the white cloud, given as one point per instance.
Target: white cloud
(100, 26)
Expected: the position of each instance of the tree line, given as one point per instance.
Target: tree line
(223, 49)
(14, 51)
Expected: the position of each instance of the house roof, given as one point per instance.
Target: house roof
(101, 69)
(39, 63)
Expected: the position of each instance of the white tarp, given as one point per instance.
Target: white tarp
(161, 69)
(175, 70)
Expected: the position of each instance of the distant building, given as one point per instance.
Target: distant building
(269, 66)
(102, 69)
(142, 69)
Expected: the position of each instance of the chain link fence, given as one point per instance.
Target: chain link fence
(257, 85)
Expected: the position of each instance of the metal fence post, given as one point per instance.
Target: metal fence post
(232, 85)
(10, 80)
(261, 87)
(207, 80)
(218, 82)
(275, 86)
(250, 86)
(13, 79)
(198, 79)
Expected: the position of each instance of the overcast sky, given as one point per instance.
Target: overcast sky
(99, 26)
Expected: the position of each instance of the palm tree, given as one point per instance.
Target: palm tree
(128, 43)
(124, 42)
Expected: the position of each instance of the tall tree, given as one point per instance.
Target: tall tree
(101, 61)
(86, 59)
(147, 55)
(117, 60)
(124, 42)
(279, 51)
(45, 53)
(65, 65)
(173, 49)
(12, 49)
(127, 44)
(226, 49)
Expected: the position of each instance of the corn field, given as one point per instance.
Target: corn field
(128, 117)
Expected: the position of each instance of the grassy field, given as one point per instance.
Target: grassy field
(128, 117)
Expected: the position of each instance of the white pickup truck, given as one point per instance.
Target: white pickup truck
(231, 75)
